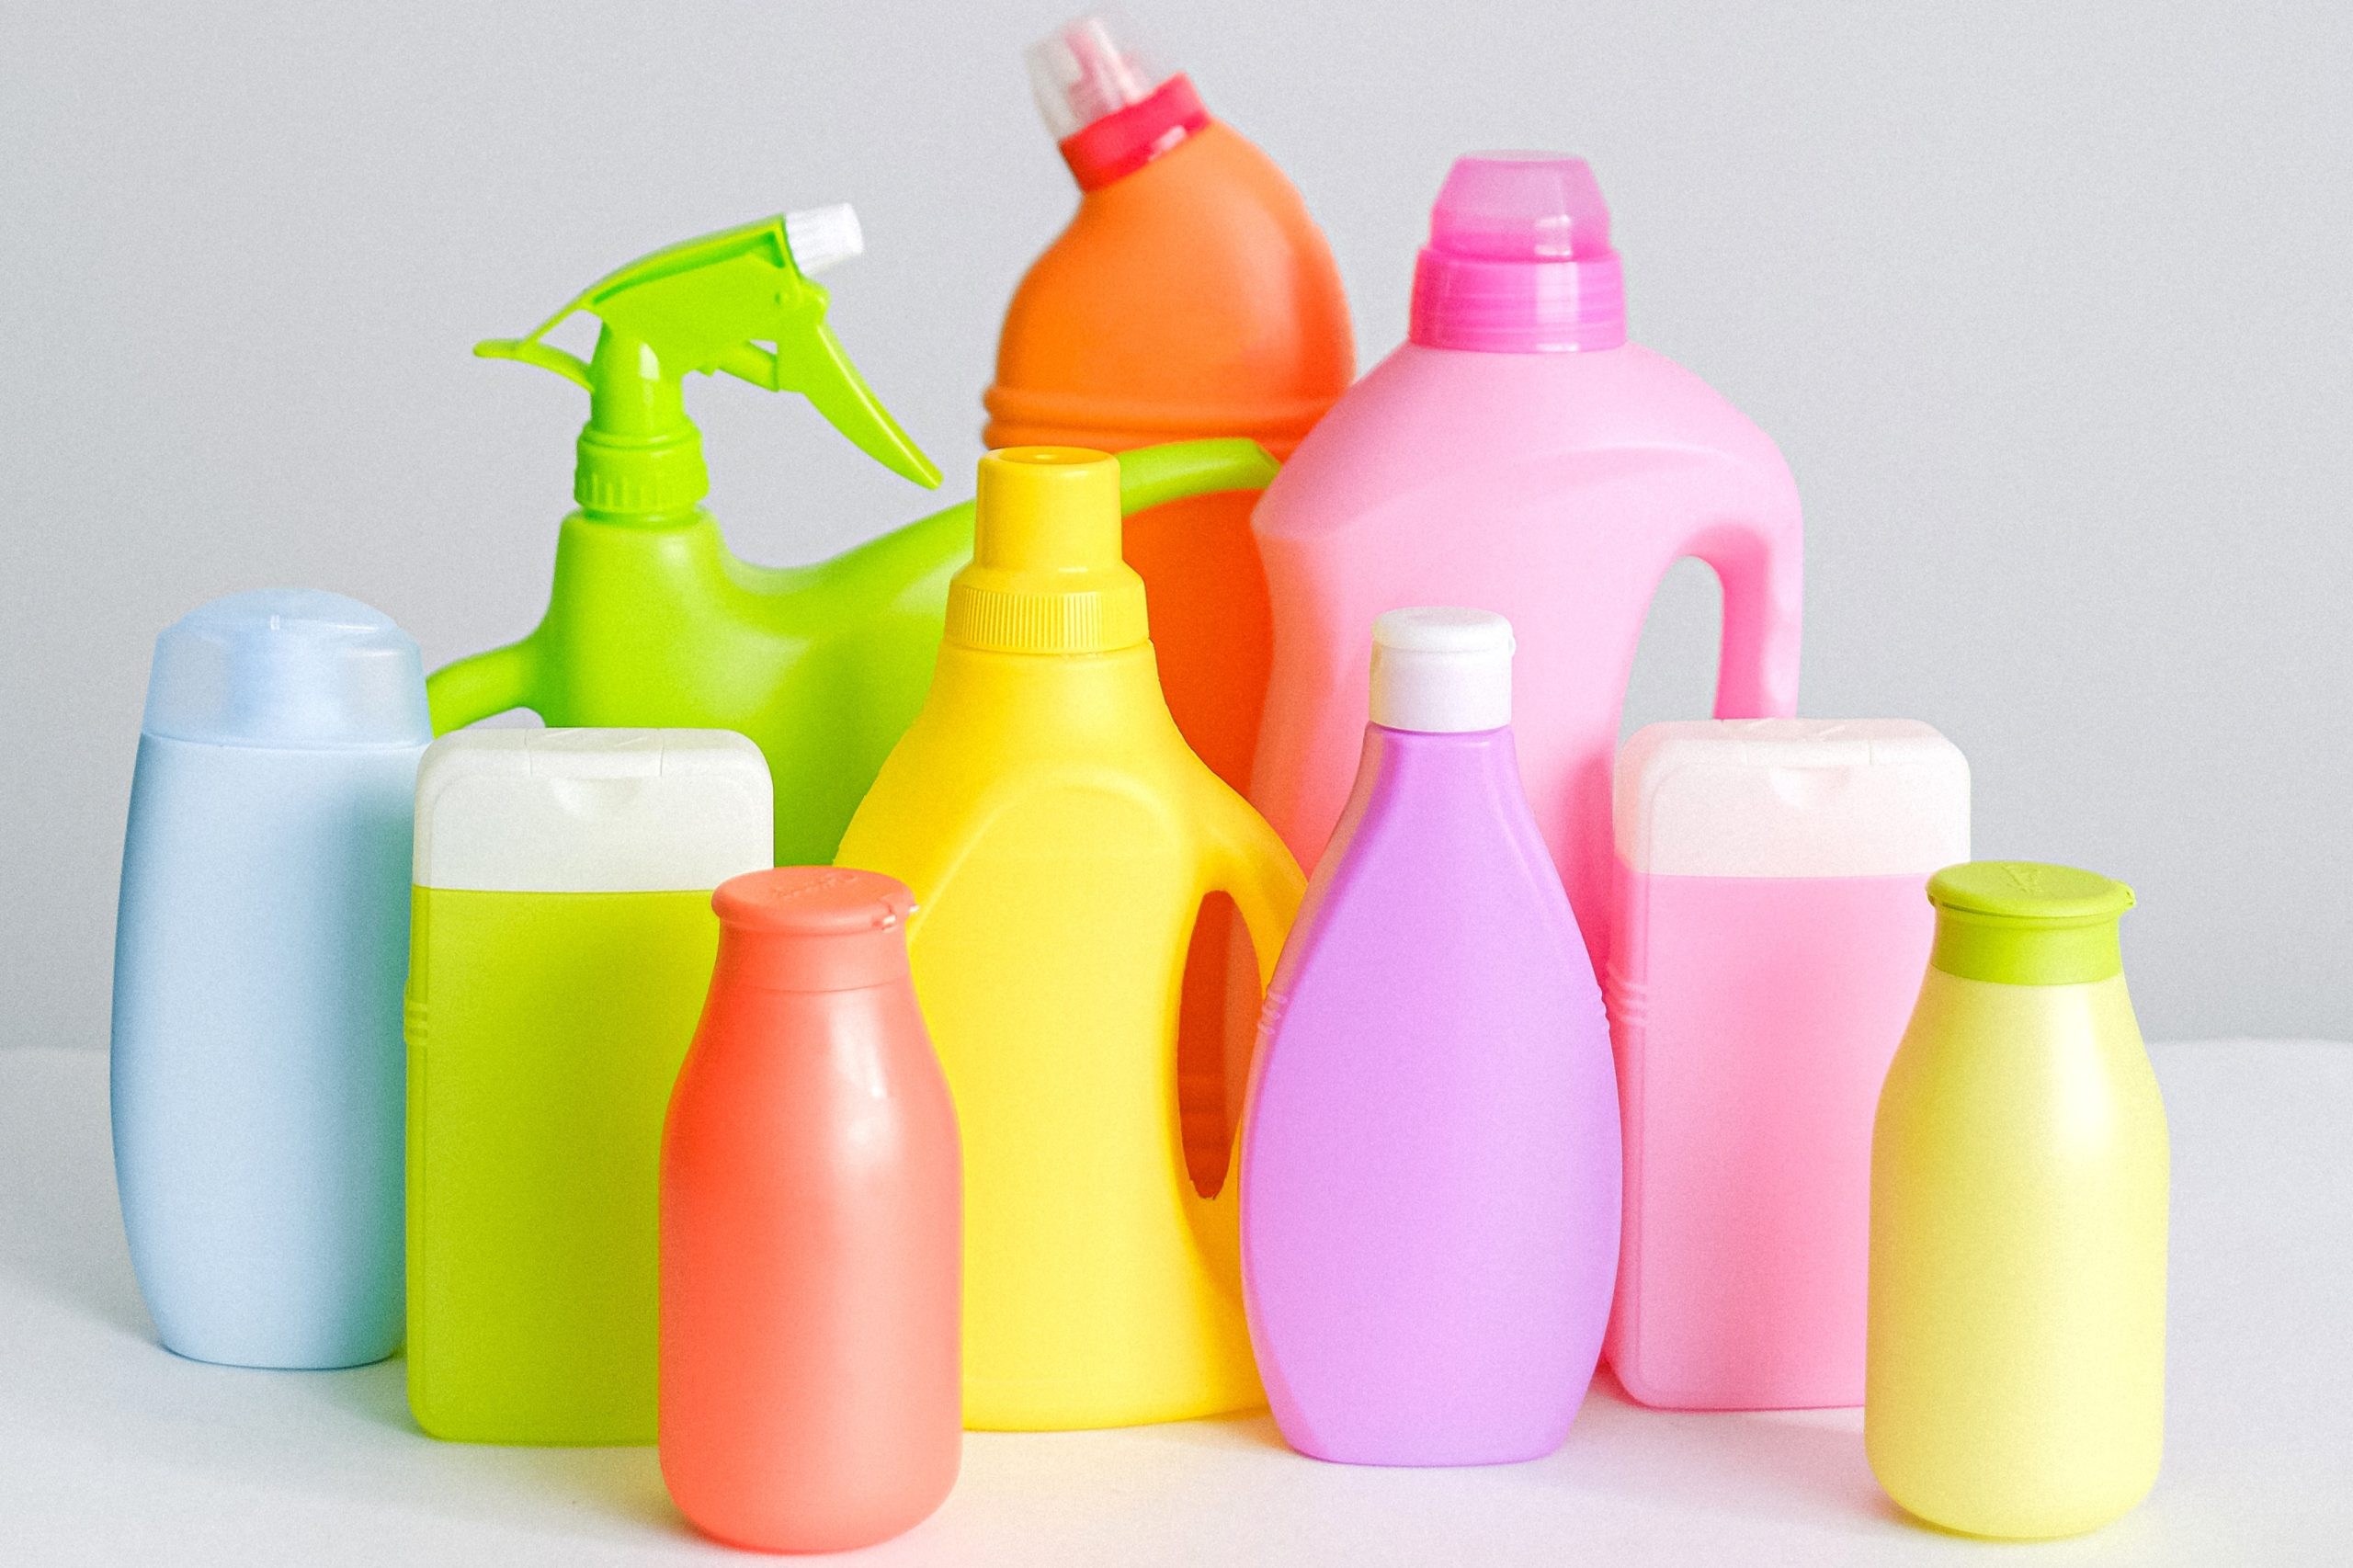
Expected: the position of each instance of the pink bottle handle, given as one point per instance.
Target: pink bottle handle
(1764, 592)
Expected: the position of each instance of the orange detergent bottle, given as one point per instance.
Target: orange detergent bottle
(1191, 295)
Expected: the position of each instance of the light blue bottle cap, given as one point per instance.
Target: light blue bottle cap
(292, 668)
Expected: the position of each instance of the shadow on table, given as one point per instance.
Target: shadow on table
(1791, 1465)
(622, 1481)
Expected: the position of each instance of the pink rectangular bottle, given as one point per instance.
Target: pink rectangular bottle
(1772, 927)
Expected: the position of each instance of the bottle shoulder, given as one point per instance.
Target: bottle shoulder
(1434, 422)
(2039, 1061)
(935, 805)
(1197, 282)
(1429, 864)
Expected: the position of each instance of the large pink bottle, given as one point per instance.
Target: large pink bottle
(1430, 1159)
(1518, 453)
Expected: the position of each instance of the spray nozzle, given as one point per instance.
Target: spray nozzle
(741, 302)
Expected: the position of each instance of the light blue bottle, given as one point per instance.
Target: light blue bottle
(259, 955)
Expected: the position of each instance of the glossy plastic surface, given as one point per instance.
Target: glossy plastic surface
(256, 1055)
(545, 1029)
(658, 623)
(1193, 297)
(810, 1233)
(1060, 838)
(1556, 489)
(1430, 1159)
(2017, 1264)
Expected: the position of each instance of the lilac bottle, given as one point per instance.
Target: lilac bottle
(1430, 1158)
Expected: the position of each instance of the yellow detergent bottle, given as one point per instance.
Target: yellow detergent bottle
(1060, 838)
(2015, 1376)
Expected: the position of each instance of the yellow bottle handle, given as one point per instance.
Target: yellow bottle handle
(1249, 864)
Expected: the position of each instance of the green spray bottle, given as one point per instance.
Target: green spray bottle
(652, 621)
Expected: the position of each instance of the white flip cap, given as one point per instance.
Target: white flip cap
(824, 236)
(1791, 798)
(1441, 670)
(591, 811)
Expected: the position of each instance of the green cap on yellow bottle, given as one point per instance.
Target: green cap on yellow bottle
(2022, 923)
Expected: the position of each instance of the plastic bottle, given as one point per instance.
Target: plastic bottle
(1430, 1160)
(561, 943)
(1060, 838)
(1770, 937)
(259, 951)
(653, 622)
(2018, 1177)
(1518, 453)
(812, 1236)
(1191, 295)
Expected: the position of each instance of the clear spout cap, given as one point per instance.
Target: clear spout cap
(290, 668)
(1088, 69)
(1520, 207)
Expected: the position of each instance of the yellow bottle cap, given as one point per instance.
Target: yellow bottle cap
(1047, 576)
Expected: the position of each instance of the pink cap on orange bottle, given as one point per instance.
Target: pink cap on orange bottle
(1518, 259)
(1112, 108)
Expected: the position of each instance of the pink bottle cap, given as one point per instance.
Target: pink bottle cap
(1111, 108)
(1518, 259)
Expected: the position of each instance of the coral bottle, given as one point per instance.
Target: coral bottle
(2015, 1376)
(1191, 295)
(812, 1230)
(1430, 1162)
(1519, 454)
(1061, 839)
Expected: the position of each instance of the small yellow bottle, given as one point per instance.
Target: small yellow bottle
(2016, 1378)
(1060, 838)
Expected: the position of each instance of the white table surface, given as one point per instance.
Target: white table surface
(114, 1451)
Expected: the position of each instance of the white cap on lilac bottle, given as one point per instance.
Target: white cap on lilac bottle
(1441, 670)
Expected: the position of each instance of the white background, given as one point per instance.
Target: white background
(2050, 308)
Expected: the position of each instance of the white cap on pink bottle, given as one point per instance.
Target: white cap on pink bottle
(1440, 670)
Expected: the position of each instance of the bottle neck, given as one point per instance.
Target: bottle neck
(1411, 770)
(1510, 306)
(1126, 139)
(641, 460)
(791, 964)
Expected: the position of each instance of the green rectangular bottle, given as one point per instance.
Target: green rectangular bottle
(560, 943)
